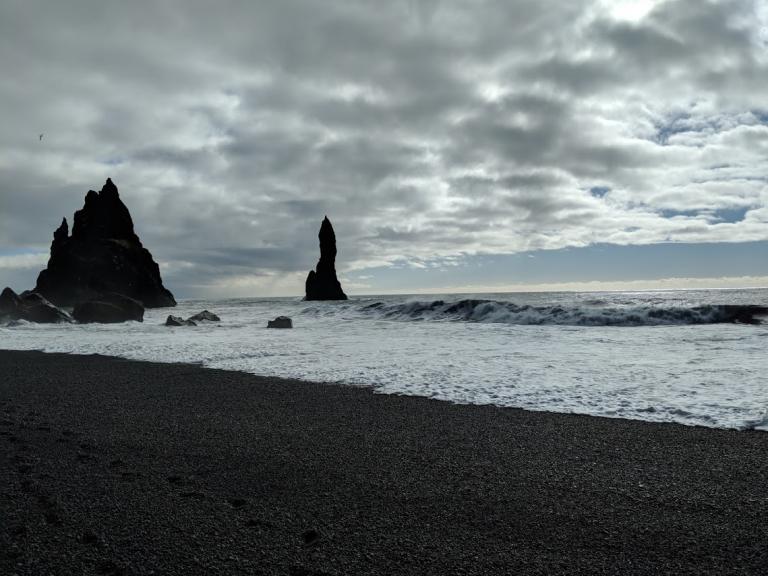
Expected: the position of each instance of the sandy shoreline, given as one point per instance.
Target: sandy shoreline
(109, 466)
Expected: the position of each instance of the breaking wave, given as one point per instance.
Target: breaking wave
(494, 311)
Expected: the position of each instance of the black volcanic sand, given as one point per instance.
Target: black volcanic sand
(116, 467)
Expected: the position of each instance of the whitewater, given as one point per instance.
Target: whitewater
(692, 357)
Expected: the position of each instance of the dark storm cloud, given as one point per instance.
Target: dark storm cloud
(425, 129)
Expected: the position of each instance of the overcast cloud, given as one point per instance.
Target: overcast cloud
(427, 130)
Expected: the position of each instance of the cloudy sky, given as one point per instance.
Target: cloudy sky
(456, 145)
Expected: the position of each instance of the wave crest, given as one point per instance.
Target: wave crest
(494, 311)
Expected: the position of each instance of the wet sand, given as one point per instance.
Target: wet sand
(109, 466)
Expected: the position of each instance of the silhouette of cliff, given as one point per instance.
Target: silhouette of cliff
(322, 283)
(103, 255)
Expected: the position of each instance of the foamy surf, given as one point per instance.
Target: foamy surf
(695, 358)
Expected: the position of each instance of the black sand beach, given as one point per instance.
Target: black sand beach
(109, 466)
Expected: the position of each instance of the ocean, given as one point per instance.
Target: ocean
(666, 356)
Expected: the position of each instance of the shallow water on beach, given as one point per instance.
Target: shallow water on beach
(671, 356)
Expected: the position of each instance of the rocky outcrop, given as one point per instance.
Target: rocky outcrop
(322, 283)
(280, 322)
(31, 307)
(36, 308)
(205, 315)
(179, 321)
(109, 308)
(10, 304)
(102, 256)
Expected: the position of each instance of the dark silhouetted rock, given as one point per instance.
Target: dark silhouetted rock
(280, 322)
(322, 283)
(178, 321)
(10, 304)
(110, 308)
(205, 315)
(103, 255)
(30, 306)
(35, 308)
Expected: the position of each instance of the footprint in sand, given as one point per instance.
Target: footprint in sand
(175, 480)
(237, 503)
(310, 537)
(109, 568)
(50, 506)
(130, 476)
(193, 495)
(301, 571)
(91, 538)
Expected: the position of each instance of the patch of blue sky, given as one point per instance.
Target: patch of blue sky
(761, 116)
(677, 124)
(600, 262)
(21, 251)
(671, 213)
(731, 215)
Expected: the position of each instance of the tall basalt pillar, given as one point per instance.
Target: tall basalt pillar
(322, 283)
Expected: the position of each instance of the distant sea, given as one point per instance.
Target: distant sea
(667, 356)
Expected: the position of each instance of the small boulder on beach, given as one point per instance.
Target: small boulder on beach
(280, 322)
(178, 321)
(205, 315)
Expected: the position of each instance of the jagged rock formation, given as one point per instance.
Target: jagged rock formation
(31, 307)
(103, 255)
(280, 322)
(179, 321)
(10, 303)
(205, 315)
(109, 308)
(322, 283)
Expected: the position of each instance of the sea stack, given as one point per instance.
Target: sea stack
(322, 283)
(103, 256)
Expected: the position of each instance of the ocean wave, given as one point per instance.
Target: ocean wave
(494, 311)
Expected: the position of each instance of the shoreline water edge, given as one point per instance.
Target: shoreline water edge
(111, 466)
(688, 357)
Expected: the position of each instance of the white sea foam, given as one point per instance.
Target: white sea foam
(648, 356)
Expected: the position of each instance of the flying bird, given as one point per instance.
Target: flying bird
(41, 137)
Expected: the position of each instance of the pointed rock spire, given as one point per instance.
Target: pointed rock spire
(102, 256)
(104, 216)
(322, 283)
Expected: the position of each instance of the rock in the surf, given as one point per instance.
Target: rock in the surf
(178, 321)
(31, 307)
(103, 255)
(322, 283)
(205, 315)
(280, 322)
(10, 303)
(109, 308)
(35, 308)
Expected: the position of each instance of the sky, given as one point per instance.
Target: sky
(463, 145)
